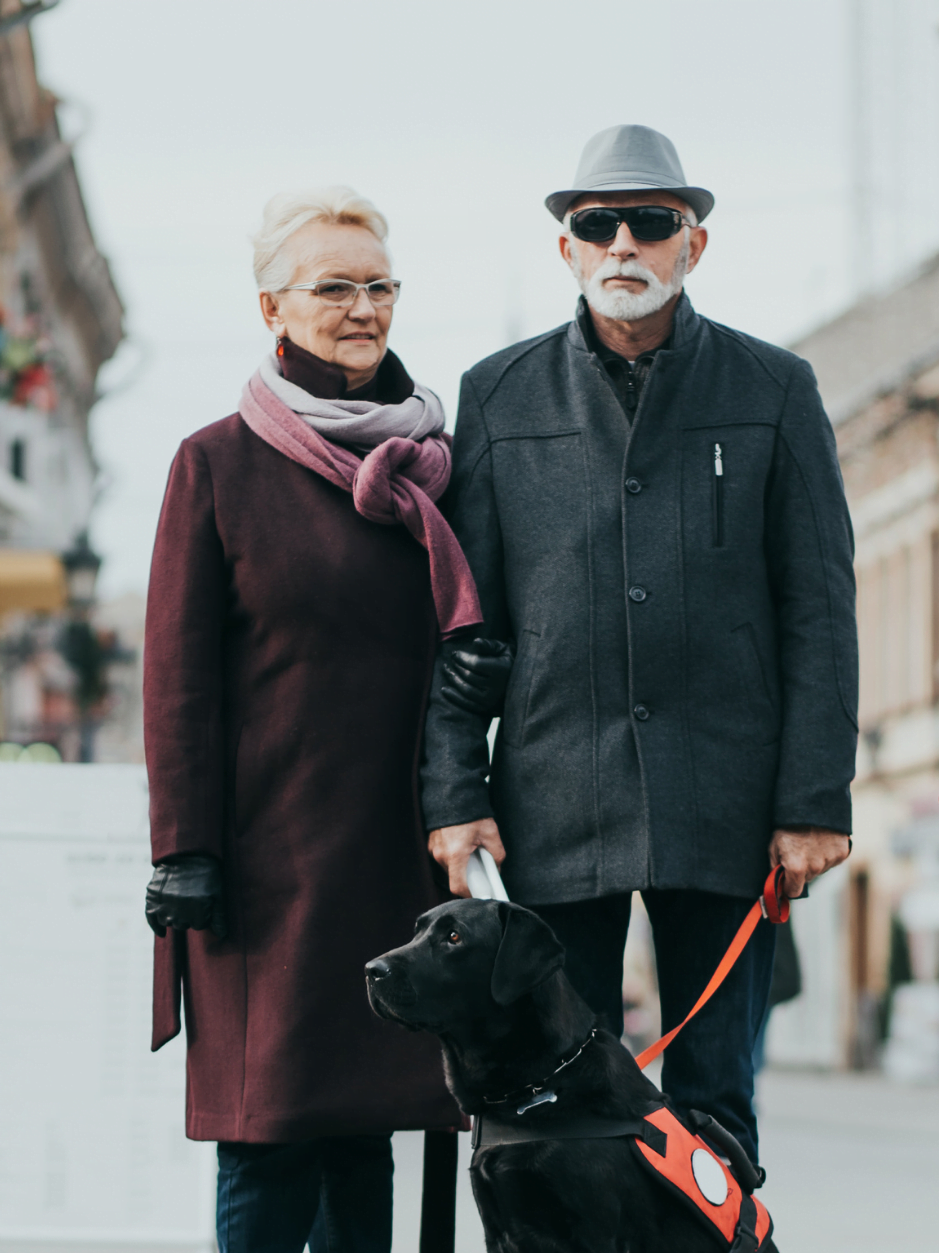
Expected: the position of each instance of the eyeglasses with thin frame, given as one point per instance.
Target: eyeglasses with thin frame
(649, 223)
(343, 292)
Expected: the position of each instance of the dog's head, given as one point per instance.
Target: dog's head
(468, 958)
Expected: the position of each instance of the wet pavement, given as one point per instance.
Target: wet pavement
(852, 1163)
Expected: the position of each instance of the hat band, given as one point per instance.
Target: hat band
(631, 178)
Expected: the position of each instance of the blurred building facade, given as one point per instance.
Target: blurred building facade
(60, 319)
(878, 371)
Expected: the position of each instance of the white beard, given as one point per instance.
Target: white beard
(627, 306)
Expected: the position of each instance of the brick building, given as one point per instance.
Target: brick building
(878, 370)
(60, 319)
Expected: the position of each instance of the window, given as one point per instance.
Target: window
(898, 628)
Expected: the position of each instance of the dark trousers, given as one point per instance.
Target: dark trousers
(709, 1066)
(334, 1194)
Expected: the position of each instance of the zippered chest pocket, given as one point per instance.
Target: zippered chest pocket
(725, 469)
(717, 497)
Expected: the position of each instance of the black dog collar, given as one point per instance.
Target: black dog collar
(537, 1094)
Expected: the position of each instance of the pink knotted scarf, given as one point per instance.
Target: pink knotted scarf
(397, 481)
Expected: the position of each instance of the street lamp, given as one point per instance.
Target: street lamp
(81, 565)
(80, 645)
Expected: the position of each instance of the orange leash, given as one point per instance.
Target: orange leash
(772, 905)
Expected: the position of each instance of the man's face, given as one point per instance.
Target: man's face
(653, 272)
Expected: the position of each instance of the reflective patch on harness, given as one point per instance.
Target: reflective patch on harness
(709, 1176)
(698, 1176)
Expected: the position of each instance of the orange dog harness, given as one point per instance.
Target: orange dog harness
(680, 1160)
(688, 1167)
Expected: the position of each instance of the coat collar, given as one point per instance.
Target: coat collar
(391, 385)
(685, 327)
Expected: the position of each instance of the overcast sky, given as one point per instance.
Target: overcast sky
(457, 119)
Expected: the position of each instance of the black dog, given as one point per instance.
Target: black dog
(486, 978)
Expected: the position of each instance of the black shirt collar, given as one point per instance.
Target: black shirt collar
(607, 355)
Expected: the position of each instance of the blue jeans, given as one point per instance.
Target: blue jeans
(709, 1066)
(333, 1193)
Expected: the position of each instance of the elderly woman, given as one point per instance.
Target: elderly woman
(301, 577)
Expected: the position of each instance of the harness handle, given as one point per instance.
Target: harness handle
(773, 905)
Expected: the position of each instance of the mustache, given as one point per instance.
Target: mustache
(611, 268)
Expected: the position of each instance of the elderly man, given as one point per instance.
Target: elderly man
(652, 508)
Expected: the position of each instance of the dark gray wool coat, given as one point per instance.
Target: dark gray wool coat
(686, 670)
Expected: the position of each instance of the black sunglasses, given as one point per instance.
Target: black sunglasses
(647, 222)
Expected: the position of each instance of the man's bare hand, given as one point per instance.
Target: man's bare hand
(806, 853)
(452, 847)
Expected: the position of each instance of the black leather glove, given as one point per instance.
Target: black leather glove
(476, 676)
(187, 892)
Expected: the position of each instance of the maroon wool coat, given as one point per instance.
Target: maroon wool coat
(288, 654)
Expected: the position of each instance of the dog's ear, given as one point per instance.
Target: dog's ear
(529, 953)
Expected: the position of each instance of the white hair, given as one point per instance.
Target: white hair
(288, 212)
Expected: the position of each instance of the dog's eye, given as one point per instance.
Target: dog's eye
(454, 938)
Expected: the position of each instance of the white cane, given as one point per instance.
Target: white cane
(483, 878)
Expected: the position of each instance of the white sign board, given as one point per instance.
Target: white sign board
(92, 1148)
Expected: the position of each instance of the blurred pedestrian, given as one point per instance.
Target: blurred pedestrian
(652, 508)
(785, 986)
(301, 576)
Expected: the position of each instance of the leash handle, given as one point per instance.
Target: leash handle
(774, 905)
(774, 902)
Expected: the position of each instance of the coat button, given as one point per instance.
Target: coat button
(638, 594)
(641, 712)
(634, 486)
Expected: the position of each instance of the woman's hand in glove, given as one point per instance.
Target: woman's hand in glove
(476, 676)
(187, 892)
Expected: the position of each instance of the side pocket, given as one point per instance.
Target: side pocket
(717, 498)
(518, 692)
(756, 690)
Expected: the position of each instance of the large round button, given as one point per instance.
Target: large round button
(634, 486)
(638, 594)
(641, 712)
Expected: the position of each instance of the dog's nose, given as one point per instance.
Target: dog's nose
(378, 968)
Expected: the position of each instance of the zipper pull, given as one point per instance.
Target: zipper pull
(718, 462)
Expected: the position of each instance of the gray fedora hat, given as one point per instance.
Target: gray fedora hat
(630, 158)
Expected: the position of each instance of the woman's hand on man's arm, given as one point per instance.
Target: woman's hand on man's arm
(476, 676)
(452, 847)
